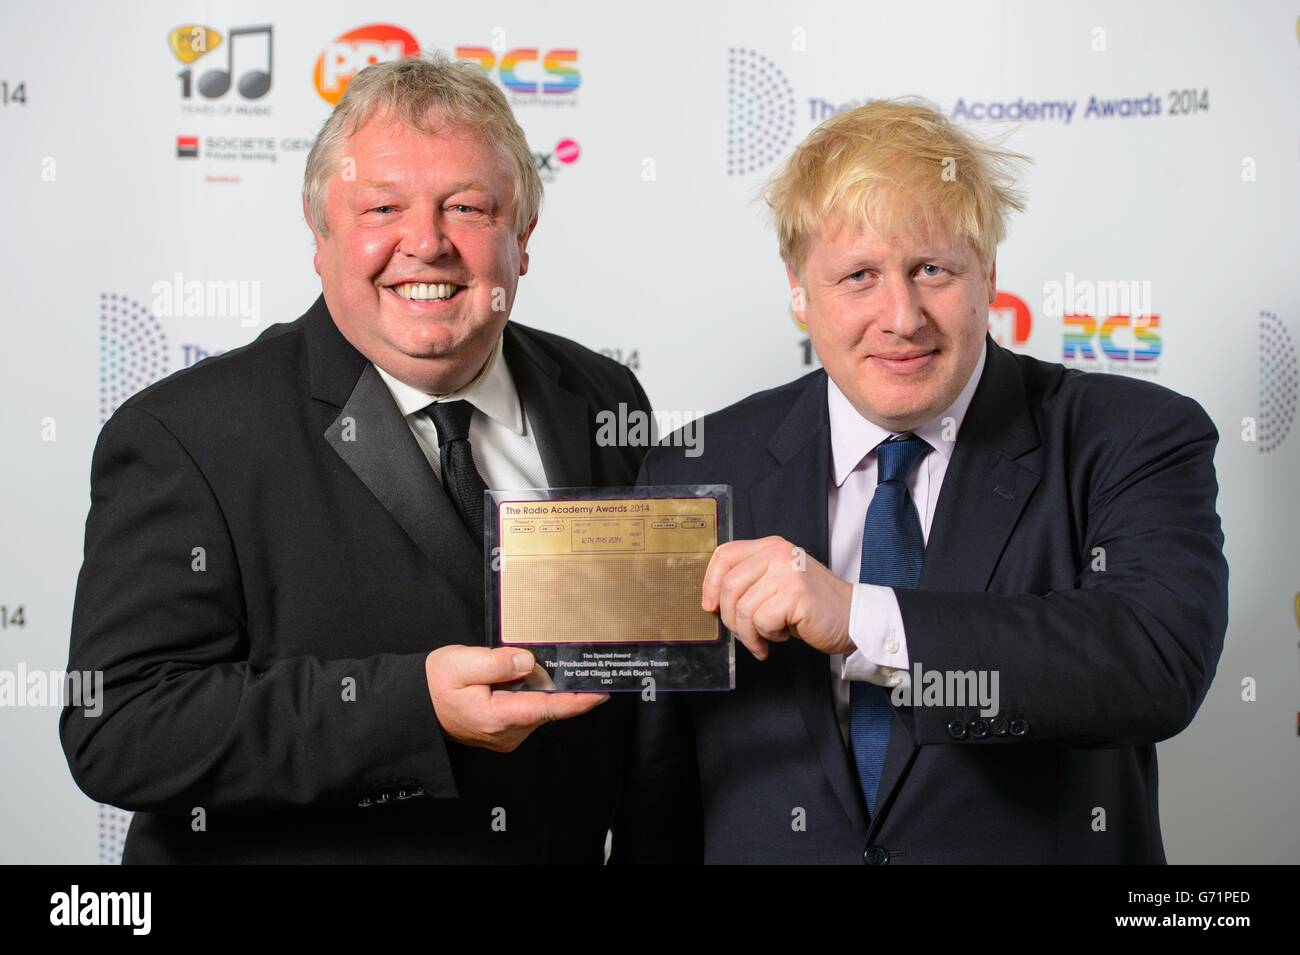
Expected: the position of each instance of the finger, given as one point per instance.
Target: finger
(724, 558)
(563, 706)
(471, 666)
(741, 619)
(743, 577)
(528, 709)
(772, 617)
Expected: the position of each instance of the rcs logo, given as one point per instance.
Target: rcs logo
(558, 65)
(1082, 332)
(352, 52)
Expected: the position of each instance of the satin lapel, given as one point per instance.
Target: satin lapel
(559, 420)
(791, 503)
(989, 481)
(373, 439)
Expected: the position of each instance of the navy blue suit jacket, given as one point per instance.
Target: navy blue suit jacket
(1095, 666)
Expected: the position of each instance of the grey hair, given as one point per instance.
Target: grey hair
(425, 92)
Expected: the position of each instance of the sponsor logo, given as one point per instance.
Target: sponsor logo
(530, 76)
(350, 53)
(1009, 320)
(245, 64)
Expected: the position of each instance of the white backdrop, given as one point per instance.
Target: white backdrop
(1165, 140)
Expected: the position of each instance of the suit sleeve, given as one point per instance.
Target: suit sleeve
(659, 819)
(642, 400)
(187, 721)
(1126, 656)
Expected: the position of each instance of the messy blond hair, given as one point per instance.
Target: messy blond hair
(892, 165)
(425, 92)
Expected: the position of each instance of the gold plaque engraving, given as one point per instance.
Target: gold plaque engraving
(615, 571)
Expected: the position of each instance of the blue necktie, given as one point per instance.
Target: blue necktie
(893, 549)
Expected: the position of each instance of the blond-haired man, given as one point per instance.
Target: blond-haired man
(319, 689)
(974, 589)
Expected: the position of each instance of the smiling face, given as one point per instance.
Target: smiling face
(899, 323)
(421, 262)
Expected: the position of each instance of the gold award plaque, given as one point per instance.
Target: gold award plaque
(616, 571)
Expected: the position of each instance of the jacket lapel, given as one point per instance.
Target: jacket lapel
(559, 420)
(791, 502)
(374, 440)
(989, 481)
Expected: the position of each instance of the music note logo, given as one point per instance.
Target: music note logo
(189, 43)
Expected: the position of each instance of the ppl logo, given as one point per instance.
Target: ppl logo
(517, 69)
(1009, 320)
(1128, 339)
(352, 52)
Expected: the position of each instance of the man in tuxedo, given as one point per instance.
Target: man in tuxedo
(1043, 540)
(284, 570)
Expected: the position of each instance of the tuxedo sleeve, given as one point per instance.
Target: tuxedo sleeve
(187, 721)
(1126, 656)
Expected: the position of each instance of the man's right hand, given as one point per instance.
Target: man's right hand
(462, 686)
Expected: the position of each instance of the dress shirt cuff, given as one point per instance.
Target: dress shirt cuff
(876, 629)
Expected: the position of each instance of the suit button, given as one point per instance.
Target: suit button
(1019, 727)
(876, 855)
(382, 797)
(366, 802)
(979, 729)
(998, 725)
(403, 794)
(957, 729)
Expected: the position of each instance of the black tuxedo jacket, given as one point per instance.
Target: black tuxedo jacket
(261, 588)
(1095, 666)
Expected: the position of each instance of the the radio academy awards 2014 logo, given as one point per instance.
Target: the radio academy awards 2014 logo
(760, 111)
(135, 347)
(132, 351)
(1277, 382)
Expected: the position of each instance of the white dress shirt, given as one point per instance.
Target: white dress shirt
(504, 446)
(875, 621)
